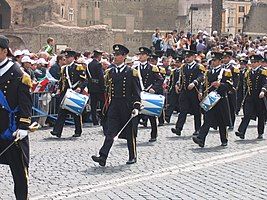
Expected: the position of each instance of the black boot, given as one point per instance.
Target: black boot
(131, 161)
(241, 135)
(176, 131)
(198, 141)
(101, 160)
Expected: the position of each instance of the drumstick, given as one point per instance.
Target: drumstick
(33, 127)
(115, 138)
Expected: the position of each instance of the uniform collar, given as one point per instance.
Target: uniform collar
(3, 62)
(7, 66)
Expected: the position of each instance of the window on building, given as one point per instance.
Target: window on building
(240, 20)
(241, 9)
(62, 11)
(239, 30)
(71, 14)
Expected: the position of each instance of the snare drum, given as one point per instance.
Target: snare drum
(74, 102)
(210, 101)
(152, 104)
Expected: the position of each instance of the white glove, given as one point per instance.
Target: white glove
(191, 86)
(261, 95)
(151, 91)
(135, 112)
(20, 134)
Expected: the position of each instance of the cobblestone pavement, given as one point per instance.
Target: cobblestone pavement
(171, 168)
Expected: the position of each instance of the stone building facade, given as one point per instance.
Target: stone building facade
(234, 13)
(255, 21)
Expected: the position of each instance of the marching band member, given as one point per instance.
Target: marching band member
(15, 115)
(190, 94)
(72, 76)
(217, 79)
(232, 96)
(124, 91)
(151, 81)
(96, 84)
(255, 102)
(173, 90)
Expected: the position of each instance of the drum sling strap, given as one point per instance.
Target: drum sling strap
(141, 80)
(7, 134)
(68, 78)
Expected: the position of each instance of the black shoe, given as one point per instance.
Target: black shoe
(176, 131)
(224, 144)
(231, 128)
(77, 135)
(131, 161)
(241, 135)
(55, 134)
(167, 119)
(260, 137)
(195, 133)
(101, 160)
(198, 141)
(152, 140)
(160, 124)
(143, 123)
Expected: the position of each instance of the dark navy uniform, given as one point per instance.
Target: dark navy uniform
(256, 80)
(219, 114)
(124, 93)
(77, 77)
(189, 101)
(15, 88)
(232, 95)
(151, 79)
(241, 91)
(173, 96)
(96, 87)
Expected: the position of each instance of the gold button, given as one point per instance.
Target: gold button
(5, 86)
(8, 81)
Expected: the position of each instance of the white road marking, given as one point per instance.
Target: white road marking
(192, 166)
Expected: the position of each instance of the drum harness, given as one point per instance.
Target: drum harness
(68, 78)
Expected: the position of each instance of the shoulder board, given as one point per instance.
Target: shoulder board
(246, 73)
(80, 68)
(135, 72)
(83, 76)
(236, 70)
(202, 68)
(162, 70)
(264, 72)
(228, 73)
(155, 69)
(26, 79)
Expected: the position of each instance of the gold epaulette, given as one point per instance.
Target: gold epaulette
(80, 68)
(107, 71)
(162, 70)
(135, 72)
(202, 68)
(227, 73)
(236, 70)
(25, 120)
(155, 69)
(264, 72)
(26, 79)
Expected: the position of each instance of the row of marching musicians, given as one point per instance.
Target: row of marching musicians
(198, 89)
